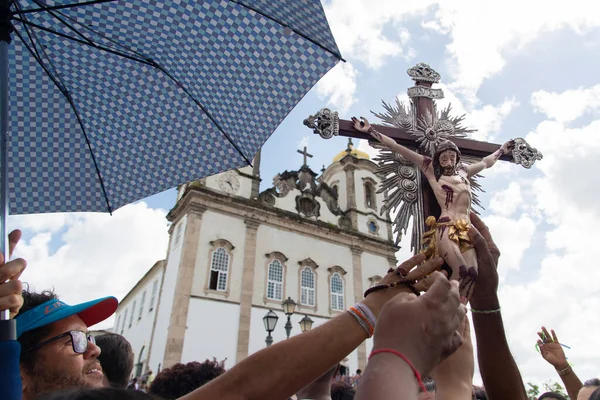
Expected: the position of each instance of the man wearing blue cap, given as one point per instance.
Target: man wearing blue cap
(57, 352)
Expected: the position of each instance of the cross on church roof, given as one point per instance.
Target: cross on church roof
(305, 154)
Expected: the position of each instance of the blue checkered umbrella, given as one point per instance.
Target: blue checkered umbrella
(108, 102)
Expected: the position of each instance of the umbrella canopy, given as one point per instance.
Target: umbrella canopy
(113, 101)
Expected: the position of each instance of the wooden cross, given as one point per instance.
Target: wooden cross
(422, 95)
(305, 154)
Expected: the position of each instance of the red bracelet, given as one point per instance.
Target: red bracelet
(406, 360)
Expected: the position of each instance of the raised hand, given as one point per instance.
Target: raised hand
(10, 292)
(412, 269)
(484, 293)
(508, 146)
(424, 329)
(551, 349)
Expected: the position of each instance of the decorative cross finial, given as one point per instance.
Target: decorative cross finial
(323, 169)
(350, 144)
(305, 154)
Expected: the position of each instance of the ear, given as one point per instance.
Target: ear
(25, 381)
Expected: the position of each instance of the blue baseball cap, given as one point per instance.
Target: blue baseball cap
(54, 310)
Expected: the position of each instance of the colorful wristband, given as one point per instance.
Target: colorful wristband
(406, 360)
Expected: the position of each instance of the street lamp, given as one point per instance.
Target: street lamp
(289, 306)
(270, 321)
(306, 323)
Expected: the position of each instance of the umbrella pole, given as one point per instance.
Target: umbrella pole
(4, 315)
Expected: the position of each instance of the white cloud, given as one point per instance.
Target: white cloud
(566, 106)
(513, 234)
(99, 255)
(303, 142)
(506, 202)
(339, 87)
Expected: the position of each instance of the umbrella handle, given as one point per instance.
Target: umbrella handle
(5, 314)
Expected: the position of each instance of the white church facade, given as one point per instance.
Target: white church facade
(235, 253)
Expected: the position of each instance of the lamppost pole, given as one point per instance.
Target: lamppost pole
(289, 306)
(269, 339)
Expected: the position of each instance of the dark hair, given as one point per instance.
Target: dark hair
(181, 379)
(358, 371)
(592, 382)
(479, 393)
(34, 336)
(98, 394)
(595, 394)
(552, 395)
(116, 359)
(429, 384)
(341, 390)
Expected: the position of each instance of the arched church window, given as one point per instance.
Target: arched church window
(124, 321)
(219, 269)
(154, 293)
(132, 312)
(307, 287)
(275, 281)
(370, 195)
(335, 189)
(337, 292)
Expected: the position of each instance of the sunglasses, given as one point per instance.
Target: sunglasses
(79, 341)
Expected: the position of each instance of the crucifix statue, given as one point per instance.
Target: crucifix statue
(418, 141)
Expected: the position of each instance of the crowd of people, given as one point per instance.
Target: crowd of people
(422, 347)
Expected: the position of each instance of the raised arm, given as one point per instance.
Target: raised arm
(364, 126)
(282, 369)
(487, 162)
(553, 352)
(499, 372)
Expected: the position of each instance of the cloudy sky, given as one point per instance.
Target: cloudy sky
(517, 69)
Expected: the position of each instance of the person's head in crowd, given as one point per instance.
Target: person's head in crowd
(429, 384)
(588, 388)
(98, 394)
(341, 390)
(57, 352)
(552, 396)
(359, 372)
(181, 379)
(595, 394)
(116, 359)
(479, 393)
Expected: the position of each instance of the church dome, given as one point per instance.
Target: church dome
(350, 149)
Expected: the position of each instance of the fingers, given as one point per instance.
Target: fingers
(547, 337)
(425, 269)
(13, 240)
(485, 232)
(424, 284)
(12, 270)
(10, 296)
(481, 247)
(441, 290)
(409, 264)
(554, 336)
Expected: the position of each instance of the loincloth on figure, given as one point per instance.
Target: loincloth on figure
(458, 232)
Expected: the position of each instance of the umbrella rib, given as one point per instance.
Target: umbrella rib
(46, 8)
(208, 114)
(85, 42)
(72, 103)
(256, 10)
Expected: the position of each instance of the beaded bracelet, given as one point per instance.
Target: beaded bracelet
(485, 311)
(406, 282)
(564, 371)
(406, 360)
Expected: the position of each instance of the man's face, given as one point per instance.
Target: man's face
(427, 396)
(58, 367)
(448, 161)
(586, 392)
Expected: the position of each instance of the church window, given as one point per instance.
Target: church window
(372, 226)
(334, 189)
(219, 269)
(118, 323)
(153, 297)
(374, 280)
(132, 312)
(307, 287)
(142, 305)
(275, 281)
(124, 321)
(337, 292)
(177, 234)
(370, 195)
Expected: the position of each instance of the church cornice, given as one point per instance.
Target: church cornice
(252, 209)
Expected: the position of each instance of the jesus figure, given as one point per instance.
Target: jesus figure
(449, 179)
